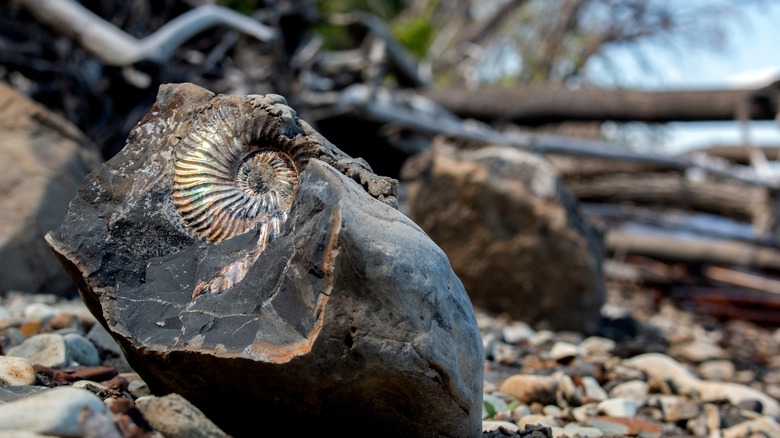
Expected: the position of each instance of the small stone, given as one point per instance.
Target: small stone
(52, 412)
(16, 371)
(750, 405)
(585, 412)
(564, 352)
(552, 411)
(698, 351)
(175, 417)
(711, 417)
(46, 349)
(103, 340)
(138, 388)
(717, 370)
(517, 332)
(593, 391)
(81, 351)
(568, 391)
(39, 312)
(636, 390)
(489, 425)
(762, 427)
(542, 420)
(596, 345)
(520, 412)
(543, 338)
(575, 430)
(65, 321)
(621, 426)
(10, 393)
(618, 407)
(676, 408)
(529, 388)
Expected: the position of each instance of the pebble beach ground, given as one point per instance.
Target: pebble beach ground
(656, 371)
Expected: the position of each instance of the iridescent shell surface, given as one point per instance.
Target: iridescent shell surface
(224, 185)
(236, 172)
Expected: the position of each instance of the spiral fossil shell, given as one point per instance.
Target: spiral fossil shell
(227, 182)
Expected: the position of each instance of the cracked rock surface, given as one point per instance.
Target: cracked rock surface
(349, 314)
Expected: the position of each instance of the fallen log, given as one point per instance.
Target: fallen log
(670, 219)
(541, 105)
(727, 198)
(745, 280)
(747, 305)
(690, 248)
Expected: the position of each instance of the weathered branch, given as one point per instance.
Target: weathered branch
(539, 105)
(115, 47)
(694, 249)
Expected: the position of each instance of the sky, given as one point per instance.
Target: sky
(750, 59)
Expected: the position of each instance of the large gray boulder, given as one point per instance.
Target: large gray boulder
(245, 263)
(43, 159)
(513, 233)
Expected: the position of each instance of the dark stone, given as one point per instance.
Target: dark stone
(513, 233)
(351, 317)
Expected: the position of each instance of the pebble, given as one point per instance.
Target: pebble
(574, 429)
(717, 370)
(564, 351)
(676, 408)
(531, 388)
(636, 390)
(175, 417)
(47, 349)
(52, 412)
(618, 407)
(16, 371)
(80, 350)
(517, 332)
(489, 425)
(593, 391)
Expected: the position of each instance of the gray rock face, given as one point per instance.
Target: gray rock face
(513, 234)
(43, 159)
(331, 309)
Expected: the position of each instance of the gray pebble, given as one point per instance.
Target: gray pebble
(46, 349)
(52, 412)
(175, 417)
(81, 351)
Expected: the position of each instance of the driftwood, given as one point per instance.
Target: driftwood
(115, 47)
(742, 279)
(670, 190)
(673, 219)
(691, 248)
(540, 105)
(738, 154)
(748, 305)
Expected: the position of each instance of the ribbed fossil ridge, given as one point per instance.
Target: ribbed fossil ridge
(231, 177)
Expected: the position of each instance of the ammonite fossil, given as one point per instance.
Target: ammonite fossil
(233, 175)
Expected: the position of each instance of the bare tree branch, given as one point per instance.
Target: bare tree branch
(539, 105)
(117, 48)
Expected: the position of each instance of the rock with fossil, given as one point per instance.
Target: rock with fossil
(244, 262)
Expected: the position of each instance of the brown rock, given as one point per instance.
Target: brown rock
(512, 232)
(530, 388)
(43, 159)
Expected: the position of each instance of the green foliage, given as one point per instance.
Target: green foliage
(489, 409)
(415, 34)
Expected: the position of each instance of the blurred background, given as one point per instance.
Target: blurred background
(659, 117)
